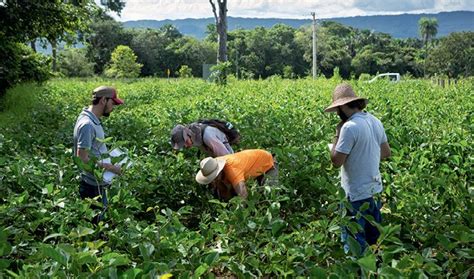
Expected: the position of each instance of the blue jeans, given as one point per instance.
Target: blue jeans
(369, 233)
(90, 191)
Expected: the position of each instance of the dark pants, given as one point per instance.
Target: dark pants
(90, 191)
(369, 233)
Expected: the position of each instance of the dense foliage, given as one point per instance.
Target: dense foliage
(72, 62)
(160, 221)
(123, 63)
(20, 64)
(280, 50)
(52, 22)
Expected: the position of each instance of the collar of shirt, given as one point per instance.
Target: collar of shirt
(357, 114)
(92, 116)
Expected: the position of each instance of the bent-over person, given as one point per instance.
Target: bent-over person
(228, 174)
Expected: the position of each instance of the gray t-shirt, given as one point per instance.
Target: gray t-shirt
(360, 138)
(216, 143)
(86, 132)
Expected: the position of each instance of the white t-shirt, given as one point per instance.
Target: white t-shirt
(360, 138)
(216, 143)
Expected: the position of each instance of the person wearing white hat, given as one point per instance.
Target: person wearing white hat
(227, 174)
(358, 146)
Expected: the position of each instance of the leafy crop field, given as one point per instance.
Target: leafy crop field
(161, 222)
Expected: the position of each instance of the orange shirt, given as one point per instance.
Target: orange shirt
(246, 164)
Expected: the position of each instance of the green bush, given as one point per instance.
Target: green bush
(19, 63)
(123, 64)
(364, 77)
(73, 62)
(185, 71)
(288, 72)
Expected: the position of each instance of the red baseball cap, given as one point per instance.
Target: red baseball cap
(108, 92)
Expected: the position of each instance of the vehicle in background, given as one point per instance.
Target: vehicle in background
(394, 77)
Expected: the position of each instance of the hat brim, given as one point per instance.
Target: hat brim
(343, 101)
(204, 180)
(117, 101)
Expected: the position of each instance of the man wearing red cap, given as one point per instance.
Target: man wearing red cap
(88, 142)
(359, 145)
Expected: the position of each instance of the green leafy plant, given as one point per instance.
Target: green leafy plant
(123, 63)
(161, 222)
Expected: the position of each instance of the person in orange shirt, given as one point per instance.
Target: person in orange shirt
(227, 174)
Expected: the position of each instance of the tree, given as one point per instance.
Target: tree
(104, 35)
(72, 62)
(24, 21)
(185, 72)
(221, 27)
(453, 56)
(428, 28)
(193, 53)
(150, 48)
(123, 63)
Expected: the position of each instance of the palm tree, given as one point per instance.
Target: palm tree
(428, 29)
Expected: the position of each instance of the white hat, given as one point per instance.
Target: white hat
(210, 169)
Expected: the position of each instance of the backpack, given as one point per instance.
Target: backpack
(233, 136)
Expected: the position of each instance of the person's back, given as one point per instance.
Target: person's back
(361, 137)
(215, 142)
(208, 139)
(247, 164)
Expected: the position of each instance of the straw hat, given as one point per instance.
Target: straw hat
(343, 94)
(210, 169)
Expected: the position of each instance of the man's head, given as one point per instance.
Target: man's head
(181, 137)
(105, 97)
(344, 101)
(210, 168)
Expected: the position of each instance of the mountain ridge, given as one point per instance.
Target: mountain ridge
(399, 26)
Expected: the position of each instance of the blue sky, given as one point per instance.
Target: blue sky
(177, 9)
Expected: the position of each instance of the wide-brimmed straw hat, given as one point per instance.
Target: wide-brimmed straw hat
(210, 169)
(343, 94)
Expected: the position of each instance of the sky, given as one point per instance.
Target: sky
(300, 9)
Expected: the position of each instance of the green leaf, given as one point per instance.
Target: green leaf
(390, 272)
(211, 258)
(60, 257)
(200, 270)
(354, 246)
(86, 257)
(364, 207)
(277, 227)
(116, 259)
(146, 249)
(80, 232)
(223, 204)
(131, 273)
(5, 247)
(54, 235)
(4, 263)
(319, 273)
(368, 262)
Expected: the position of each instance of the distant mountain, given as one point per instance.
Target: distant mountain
(399, 26)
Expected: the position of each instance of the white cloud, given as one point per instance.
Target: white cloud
(175, 9)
